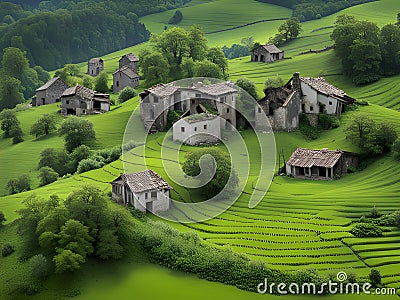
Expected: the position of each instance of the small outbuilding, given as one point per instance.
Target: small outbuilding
(95, 66)
(198, 129)
(124, 77)
(144, 190)
(320, 164)
(267, 53)
(80, 100)
(129, 60)
(50, 92)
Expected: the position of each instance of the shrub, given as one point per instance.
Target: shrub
(56, 159)
(328, 121)
(90, 164)
(176, 18)
(305, 127)
(375, 277)
(40, 267)
(109, 155)
(2, 218)
(16, 134)
(172, 117)
(366, 230)
(47, 175)
(375, 213)
(126, 93)
(7, 250)
(396, 147)
(19, 185)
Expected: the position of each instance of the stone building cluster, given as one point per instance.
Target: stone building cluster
(50, 92)
(127, 73)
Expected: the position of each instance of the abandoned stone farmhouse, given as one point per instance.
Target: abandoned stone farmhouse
(197, 129)
(267, 53)
(156, 101)
(127, 73)
(320, 164)
(80, 100)
(95, 66)
(311, 96)
(146, 191)
(50, 92)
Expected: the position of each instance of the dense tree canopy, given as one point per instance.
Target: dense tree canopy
(76, 132)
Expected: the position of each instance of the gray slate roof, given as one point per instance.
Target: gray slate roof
(199, 118)
(49, 83)
(132, 57)
(127, 71)
(271, 48)
(95, 60)
(322, 86)
(215, 89)
(306, 158)
(85, 93)
(145, 181)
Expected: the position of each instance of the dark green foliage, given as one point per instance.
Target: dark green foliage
(101, 82)
(45, 125)
(19, 185)
(80, 153)
(76, 132)
(67, 261)
(235, 51)
(390, 49)
(40, 267)
(221, 171)
(176, 18)
(197, 43)
(2, 218)
(56, 159)
(11, 92)
(248, 86)
(89, 164)
(396, 147)
(126, 93)
(366, 230)
(375, 277)
(290, 29)
(47, 175)
(207, 68)
(155, 67)
(8, 121)
(172, 117)
(99, 159)
(328, 121)
(386, 220)
(375, 213)
(7, 250)
(42, 74)
(16, 133)
(108, 246)
(305, 127)
(216, 56)
(273, 83)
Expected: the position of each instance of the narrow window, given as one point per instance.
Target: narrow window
(198, 95)
(330, 102)
(259, 110)
(146, 196)
(155, 99)
(227, 110)
(311, 108)
(117, 83)
(205, 126)
(182, 129)
(195, 129)
(153, 194)
(67, 102)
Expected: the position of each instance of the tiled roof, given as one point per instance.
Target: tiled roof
(127, 71)
(131, 57)
(162, 90)
(199, 117)
(271, 48)
(95, 60)
(322, 86)
(145, 181)
(48, 84)
(306, 158)
(216, 89)
(85, 93)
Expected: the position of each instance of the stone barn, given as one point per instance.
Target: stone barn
(146, 191)
(129, 60)
(267, 53)
(320, 164)
(156, 101)
(124, 77)
(198, 129)
(80, 100)
(95, 66)
(50, 92)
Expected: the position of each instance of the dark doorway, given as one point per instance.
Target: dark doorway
(321, 171)
(301, 172)
(255, 57)
(149, 206)
(71, 111)
(262, 58)
(96, 105)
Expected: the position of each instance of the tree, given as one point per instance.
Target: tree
(47, 175)
(108, 246)
(176, 18)
(75, 236)
(389, 43)
(56, 159)
(273, 83)
(248, 42)
(42, 74)
(87, 81)
(248, 86)
(45, 125)
(101, 82)
(67, 261)
(197, 43)
(222, 170)
(290, 29)
(14, 63)
(76, 132)
(375, 277)
(40, 267)
(155, 67)
(8, 121)
(11, 92)
(207, 68)
(188, 67)
(216, 56)
(2, 218)
(16, 133)
(69, 70)
(19, 185)
(126, 93)
(80, 153)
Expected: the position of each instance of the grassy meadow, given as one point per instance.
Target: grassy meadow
(299, 224)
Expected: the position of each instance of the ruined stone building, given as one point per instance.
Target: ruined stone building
(312, 96)
(95, 66)
(80, 100)
(320, 164)
(50, 92)
(267, 53)
(146, 191)
(156, 101)
(127, 73)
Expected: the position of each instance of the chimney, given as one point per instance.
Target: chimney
(296, 85)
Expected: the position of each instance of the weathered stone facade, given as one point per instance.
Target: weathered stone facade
(156, 101)
(50, 92)
(80, 100)
(124, 77)
(129, 60)
(95, 66)
(267, 53)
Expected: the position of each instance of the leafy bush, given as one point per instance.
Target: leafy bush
(305, 127)
(90, 164)
(328, 121)
(40, 267)
(375, 277)
(235, 51)
(7, 250)
(19, 185)
(176, 18)
(2, 218)
(47, 175)
(126, 93)
(366, 230)
(109, 155)
(172, 117)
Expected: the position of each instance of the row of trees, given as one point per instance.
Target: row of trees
(179, 53)
(366, 51)
(288, 30)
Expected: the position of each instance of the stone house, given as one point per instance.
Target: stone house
(80, 100)
(320, 164)
(95, 66)
(197, 129)
(124, 77)
(50, 92)
(156, 101)
(311, 96)
(146, 191)
(267, 53)
(129, 60)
